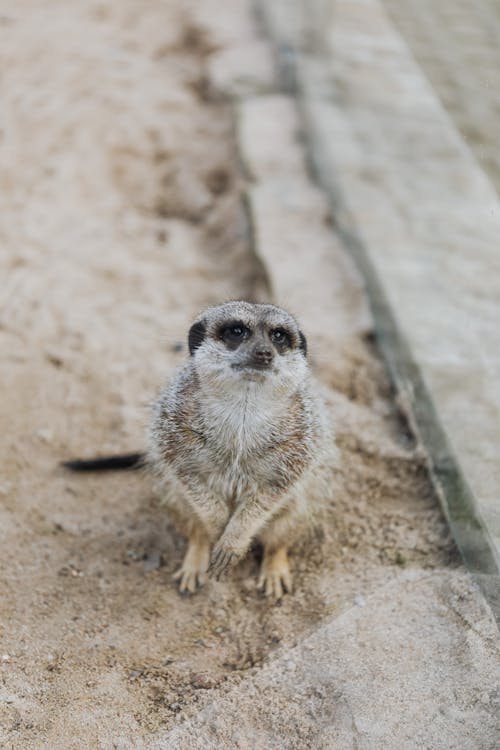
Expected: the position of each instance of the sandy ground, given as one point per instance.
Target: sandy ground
(121, 217)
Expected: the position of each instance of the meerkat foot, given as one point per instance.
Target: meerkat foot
(193, 572)
(275, 577)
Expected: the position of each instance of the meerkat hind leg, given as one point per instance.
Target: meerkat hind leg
(192, 573)
(275, 577)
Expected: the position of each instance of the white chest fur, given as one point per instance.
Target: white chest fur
(243, 419)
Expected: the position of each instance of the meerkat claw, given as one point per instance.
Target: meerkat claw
(275, 578)
(189, 580)
(275, 586)
(222, 560)
(193, 572)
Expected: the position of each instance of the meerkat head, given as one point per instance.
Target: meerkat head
(241, 342)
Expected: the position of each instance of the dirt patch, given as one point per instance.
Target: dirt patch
(120, 218)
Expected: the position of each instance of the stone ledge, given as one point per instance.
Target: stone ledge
(423, 222)
(332, 690)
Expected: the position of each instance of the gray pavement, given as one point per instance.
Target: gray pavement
(457, 45)
(388, 675)
(423, 220)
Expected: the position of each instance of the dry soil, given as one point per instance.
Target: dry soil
(121, 217)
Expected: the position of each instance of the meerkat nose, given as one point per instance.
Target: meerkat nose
(263, 355)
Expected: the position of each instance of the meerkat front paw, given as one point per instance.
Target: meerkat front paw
(223, 558)
(275, 577)
(193, 572)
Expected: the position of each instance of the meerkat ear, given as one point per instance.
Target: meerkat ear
(303, 343)
(196, 335)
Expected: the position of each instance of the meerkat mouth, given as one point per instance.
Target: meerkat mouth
(253, 367)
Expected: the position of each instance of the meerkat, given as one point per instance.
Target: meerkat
(241, 444)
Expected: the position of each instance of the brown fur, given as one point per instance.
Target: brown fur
(240, 441)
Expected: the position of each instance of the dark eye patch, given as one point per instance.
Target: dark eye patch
(281, 338)
(196, 335)
(234, 333)
(303, 343)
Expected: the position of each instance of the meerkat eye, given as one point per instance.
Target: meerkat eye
(234, 333)
(280, 337)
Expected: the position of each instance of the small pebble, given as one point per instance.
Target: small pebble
(54, 358)
(135, 674)
(203, 682)
(153, 561)
(45, 434)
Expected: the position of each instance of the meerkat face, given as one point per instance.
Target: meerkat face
(244, 342)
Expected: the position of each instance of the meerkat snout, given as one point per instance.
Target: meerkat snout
(261, 356)
(256, 353)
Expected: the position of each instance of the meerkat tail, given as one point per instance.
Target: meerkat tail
(107, 463)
